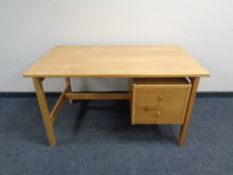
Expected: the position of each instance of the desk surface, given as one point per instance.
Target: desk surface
(117, 61)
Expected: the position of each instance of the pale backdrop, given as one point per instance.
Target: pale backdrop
(30, 27)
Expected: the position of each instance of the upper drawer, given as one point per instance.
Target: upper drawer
(161, 92)
(161, 95)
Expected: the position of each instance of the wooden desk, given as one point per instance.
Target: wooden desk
(167, 63)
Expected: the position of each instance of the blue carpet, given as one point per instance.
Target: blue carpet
(95, 137)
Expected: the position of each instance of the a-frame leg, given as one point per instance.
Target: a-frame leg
(69, 88)
(44, 110)
(184, 127)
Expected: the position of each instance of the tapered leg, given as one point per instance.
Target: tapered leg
(184, 127)
(69, 89)
(44, 110)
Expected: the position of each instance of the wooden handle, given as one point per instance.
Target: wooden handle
(158, 114)
(161, 97)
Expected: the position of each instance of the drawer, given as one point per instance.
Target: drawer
(159, 101)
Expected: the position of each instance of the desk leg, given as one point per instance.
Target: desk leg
(69, 88)
(44, 110)
(184, 127)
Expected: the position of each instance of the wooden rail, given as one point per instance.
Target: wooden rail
(97, 96)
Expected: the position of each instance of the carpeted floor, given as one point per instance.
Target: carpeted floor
(95, 137)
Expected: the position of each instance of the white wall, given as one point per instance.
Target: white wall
(28, 28)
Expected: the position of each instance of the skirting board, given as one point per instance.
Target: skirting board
(56, 94)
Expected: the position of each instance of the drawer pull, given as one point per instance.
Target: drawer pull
(158, 114)
(161, 97)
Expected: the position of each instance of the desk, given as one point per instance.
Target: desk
(163, 72)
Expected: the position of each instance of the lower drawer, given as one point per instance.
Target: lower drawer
(159, 101)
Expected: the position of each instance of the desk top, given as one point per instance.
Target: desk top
(117, 61)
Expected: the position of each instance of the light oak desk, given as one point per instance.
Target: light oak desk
(163, 81)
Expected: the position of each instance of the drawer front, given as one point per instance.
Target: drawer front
(160, 104)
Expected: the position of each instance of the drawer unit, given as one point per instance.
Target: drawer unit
(159, 101)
